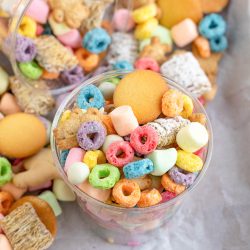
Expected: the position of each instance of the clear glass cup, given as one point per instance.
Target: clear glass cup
(127, 226)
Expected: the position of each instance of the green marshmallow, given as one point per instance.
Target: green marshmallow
(50, 198)
(5, 171)
(31, 70)
(104, 176)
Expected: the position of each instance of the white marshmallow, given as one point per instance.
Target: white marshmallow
(62, 191)
(77, 173)
(107, 89)
(110, 139)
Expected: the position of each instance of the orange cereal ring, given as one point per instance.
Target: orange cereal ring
(202, 47)
(107, 26)
(87, 60)
(172, 103)
(43, 210)
(126, 193)
(198, 117)
(106, 120)
(149, 198)
(6, 200)
(170, 185)
(49, 75)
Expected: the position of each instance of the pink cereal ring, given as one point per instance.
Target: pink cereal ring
(147, 63)
(120, 153)
(144, 139)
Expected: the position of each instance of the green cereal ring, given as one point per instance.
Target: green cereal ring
(5, 171)
(31, 70)
(104, 176)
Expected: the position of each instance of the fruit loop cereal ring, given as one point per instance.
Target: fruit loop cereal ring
(123, 65)
(31, 70)
(145, 30)
(49, 75)
(171, 186)
(198, 117)
(144, 13)
(126, 193)
(144, 182)
(149, 198)
(25, 49)
(91, 135)
(63, 157)
(96, 40)
(218, 44)
(5, 171)
(107, 26)
(106, 120)
(120, 153)
(73, 76)
(65, 116)
(144, 139)
(104, 176)
(138, 168)
(201, 45)
(87, 60)
(148, 64)
(188, 161)
(212, 26)
(6, 200)
(90, 97)
(27, 27)
(172, 103)
(166, 196)
(188, 106)
(181, 177)
(92, 158)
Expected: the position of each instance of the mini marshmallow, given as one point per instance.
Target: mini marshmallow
(124, 120)
(62, 191)
(192, 137)
(58, 28)
(122, 20)
(38, 10)
(107, 89)
(71, 39)
(8, 104)
(163, 160)
(184, 32)
(77, 173)
(75, 155)
(16, 192)
(45, 185)
(109, 140)
(4, 81)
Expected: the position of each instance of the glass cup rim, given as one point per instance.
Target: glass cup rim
(80, 193)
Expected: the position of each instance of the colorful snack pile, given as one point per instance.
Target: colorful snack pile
(156, 132)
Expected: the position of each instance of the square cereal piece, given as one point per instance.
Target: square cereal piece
(184, 69)
(24, 229)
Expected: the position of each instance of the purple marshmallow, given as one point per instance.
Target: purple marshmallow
(91, 135)
(25, 49)
(73, 76)
(182, 177)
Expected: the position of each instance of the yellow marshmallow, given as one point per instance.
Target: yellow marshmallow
(27, 27)
(144, 13)
(145, 30)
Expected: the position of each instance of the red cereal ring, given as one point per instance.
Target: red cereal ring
(126, 193)
(6, 200)
(147, 63)
(120, 153)
(144, 139)
(107, 25)
(87, 60)
(149, 198)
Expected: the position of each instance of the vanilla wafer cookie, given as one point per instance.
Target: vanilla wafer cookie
(185, 70)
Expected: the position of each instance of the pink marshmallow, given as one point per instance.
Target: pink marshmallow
(184, 32)
(4, 243)
(124, 120)
(16, 192)
(72, 39)
(48, 184)
(122, 20)
(38, 10)
(98, 194)
(39, 29)
(75, 155)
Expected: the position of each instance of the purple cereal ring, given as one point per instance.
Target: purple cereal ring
(120, 153)
(73, 76)
(182, 177)
(91, 135)
(25, 49)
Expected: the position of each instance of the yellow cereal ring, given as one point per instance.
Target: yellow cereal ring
(188, 107)
(145, 30)
(65, 116)
(188, 161)
(27, 27)
(92, 158)
(144, 13)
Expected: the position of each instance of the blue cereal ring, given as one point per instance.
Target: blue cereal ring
(123, 65)
(212, 26)
(218, 44)
(63, 157)
(96, 40)
(90, 97)
(137, 169)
